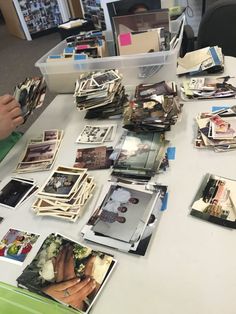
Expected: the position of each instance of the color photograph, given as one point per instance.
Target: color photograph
(68, 272)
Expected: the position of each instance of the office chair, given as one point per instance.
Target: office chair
(218, 27)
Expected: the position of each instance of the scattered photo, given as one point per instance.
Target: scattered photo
(68, 272)
(94, 158)
(93, 134)
(16, 245)
(14, 192)
(50, 135)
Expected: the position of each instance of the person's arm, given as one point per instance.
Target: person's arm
(10, 115)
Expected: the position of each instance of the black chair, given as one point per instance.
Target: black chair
(218, 27)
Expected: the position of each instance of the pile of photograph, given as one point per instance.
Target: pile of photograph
(40, 152)
(67, 271)
(30, 94)
(207, 88)
(217, 130)
(91, 44)
(139, 156)
(64, 194)
(155, 108)
(101, 93)
(125, 216)
(14, 191)
(216, 200)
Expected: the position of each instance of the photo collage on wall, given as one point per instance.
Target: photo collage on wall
(40, 15)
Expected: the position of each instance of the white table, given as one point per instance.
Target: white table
(190, 265)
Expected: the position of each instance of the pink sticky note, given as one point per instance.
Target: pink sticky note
(82, 47)
(125, 39)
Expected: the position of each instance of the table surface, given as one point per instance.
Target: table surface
(190, 264)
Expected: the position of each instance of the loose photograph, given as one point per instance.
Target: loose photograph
(14, 192)
(16, 245)
(50, 135)
(68, 272)
(93, 134)
(93, 158)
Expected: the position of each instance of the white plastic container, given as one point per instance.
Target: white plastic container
(139, 68)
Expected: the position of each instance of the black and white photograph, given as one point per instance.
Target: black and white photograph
(50, 135)
(106, 77)
(44, 151)
(93, 134)
(14, 192)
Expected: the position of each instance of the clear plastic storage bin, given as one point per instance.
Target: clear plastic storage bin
(139, 68)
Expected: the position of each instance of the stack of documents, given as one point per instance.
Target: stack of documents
(217, 129)
(126, 216)
(155, 108)
(208, 59)
(65, 193)
(207, 88)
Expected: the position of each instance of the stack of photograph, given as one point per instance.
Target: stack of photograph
(65, 194)
(139, 156)
(40, 152)
(30, 94)
(101, 93)
(125, 216)
(155, 108)
(216, 200)
(217, 130)
(207, 88)
(67, 272)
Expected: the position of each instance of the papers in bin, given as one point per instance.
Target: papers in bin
(205, 59)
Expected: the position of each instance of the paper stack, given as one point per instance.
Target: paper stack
(207, 88)
(217, 129)
(101, 89)
(208, 59)
(65, 193)
(40, 152)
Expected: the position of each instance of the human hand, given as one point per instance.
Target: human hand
(10, 115)
(72, 292)
(64, 264)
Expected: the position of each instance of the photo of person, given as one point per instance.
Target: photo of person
(40, 152)
(68, 272)
(119, 212)
(16, 245)
(61, 184)
(93, 158)
(93, 134)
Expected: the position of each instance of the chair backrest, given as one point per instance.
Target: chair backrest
(218, 27)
